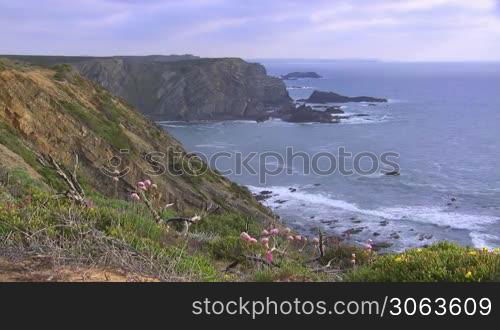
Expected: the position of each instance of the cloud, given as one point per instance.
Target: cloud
(386, 29)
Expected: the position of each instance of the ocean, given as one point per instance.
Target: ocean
(442, 121)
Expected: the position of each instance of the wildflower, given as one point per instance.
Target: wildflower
(290, 238)
(154, 186)
(298, 238)
(315, 240)
(472, 253)
(274, 231)
(398, 259)
(116, 172)
(135, 197)
(116, 179)
(244, 236)
(265, 233)
(141, 185)
(269, 256)
(304, 239)
(468, 275)
(485, 250)
(252, 240)
(287, 231)
(264, 240)
(148, 183)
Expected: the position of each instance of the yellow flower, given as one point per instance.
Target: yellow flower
(398, 259)
(419, 250)
(472, 253)
(485, 250)
(468, 275)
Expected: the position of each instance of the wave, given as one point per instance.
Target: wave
(299, 87)
(438, 216)
(483, 240)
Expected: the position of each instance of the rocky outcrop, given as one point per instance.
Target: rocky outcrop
(330, 97)
(305, 114)
(183, 87)
(61, 113)
(300, 75)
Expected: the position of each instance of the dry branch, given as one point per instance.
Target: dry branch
(75, 191)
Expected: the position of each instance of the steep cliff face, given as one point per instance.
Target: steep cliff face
(190, 90)
(61, 113)
(184, 87)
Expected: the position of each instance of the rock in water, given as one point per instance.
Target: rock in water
(330, 97)
(393, 173)
(298, 75)
(305, 114)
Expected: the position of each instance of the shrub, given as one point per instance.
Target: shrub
(440, 262)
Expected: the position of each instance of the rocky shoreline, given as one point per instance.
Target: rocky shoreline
(383, 243)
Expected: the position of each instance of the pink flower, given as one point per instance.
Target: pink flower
(264, 240)
(265, 233)
(287, 231)
(269, 256)
(274, 231)
(252, 240)
(148, 183)
(244, 236)
(135, 197)
(298, 238)
(367, 246)
(290, 238)
(315, 240)
(141, 185)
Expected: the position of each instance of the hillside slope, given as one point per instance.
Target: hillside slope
(62, 114)
(183, 87)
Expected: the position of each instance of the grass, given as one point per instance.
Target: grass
(109, 130)
(123, 234)
(9, 139)
(62, 70)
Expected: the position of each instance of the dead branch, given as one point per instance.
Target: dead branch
(75, 191)
(261, 260)
(231, 266)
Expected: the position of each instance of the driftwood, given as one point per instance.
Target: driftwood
(75, 191)
(231, 266)
(210, 208)
(261, 260)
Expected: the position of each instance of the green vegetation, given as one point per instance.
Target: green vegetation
(123, 234)
(62, 71)
(440, 262)
(107, 129)
(10, 140)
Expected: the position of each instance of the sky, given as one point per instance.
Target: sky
(389, 30)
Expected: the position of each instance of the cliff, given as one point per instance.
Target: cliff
(183, 87)
(58, 112)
